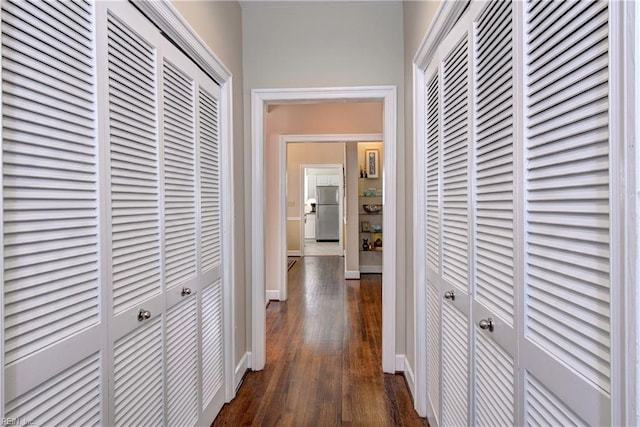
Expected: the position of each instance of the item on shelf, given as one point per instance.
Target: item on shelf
(365, 244)
(372, 209)
(371, 192)
(377, 240)
(365, 226)
(376, 228)
(361, 172)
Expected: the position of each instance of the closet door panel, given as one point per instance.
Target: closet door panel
(494, 277)
(139, 377)
(134, 169)
(433, 211)
(209, 166)
(182, 363)
(568, 226)
(70, 397)
(455, 366)
(455, 226)
(455, 167)
(434, 333)
(180, 168)
(134, 210)
(51, 232)
(212, 346)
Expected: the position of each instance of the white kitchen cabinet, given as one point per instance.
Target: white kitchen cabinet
(310, 226)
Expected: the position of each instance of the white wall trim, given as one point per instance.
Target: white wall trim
(625, 193)
(419, 245)
(297, 253)
(273, 295)
(352, 274)
(165, 16)
(447, 15)
(371, 269)
(633, 217)
(400, 362)
(241, 369)
(410, 377)
(259, 100)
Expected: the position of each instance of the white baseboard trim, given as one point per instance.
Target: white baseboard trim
(400, 362)
(352, 274)
(242, 367)
(273, 295)
(370, 269)
(408, 375)
(294, 253)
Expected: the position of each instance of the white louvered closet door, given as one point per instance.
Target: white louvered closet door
(179, 171)
(495, 349)
(566, 341)
(434, 292)
(164, 150)
(53, 318)
(455, 229)
(135, 213)
(210, 256)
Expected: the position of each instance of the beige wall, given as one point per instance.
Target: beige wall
(219, 24)
(332, 44)
(300, 154)
(306, 154)
(296, 119)
(418, 16)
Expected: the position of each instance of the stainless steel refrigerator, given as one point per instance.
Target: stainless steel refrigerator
(327, 213)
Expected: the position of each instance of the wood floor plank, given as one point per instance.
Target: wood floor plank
(323, 362)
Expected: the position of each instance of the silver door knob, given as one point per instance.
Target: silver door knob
(144, 314)
(185, 291)
(486, 324)
(450, 295)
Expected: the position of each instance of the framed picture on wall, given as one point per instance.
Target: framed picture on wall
(372, 161)
(365, 226)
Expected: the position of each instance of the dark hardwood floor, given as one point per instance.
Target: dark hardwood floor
(323, 364)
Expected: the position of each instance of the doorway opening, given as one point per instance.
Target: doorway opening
(275, 235)
(322, 206)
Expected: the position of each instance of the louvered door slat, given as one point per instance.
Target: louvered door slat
(71, 397)
(434, 333)
(212, 374)
(138, 376)
(568, 282)
(455, 181)
(494, 273)
(209, 139)
(182, 364)
(134, 167)
(51, 284)
(433, 171)
(544, 408)
(455, 368)
(179, 176)
(495, 385)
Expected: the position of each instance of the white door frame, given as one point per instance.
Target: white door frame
(303, 168)
(260, 98)
(282, 199)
